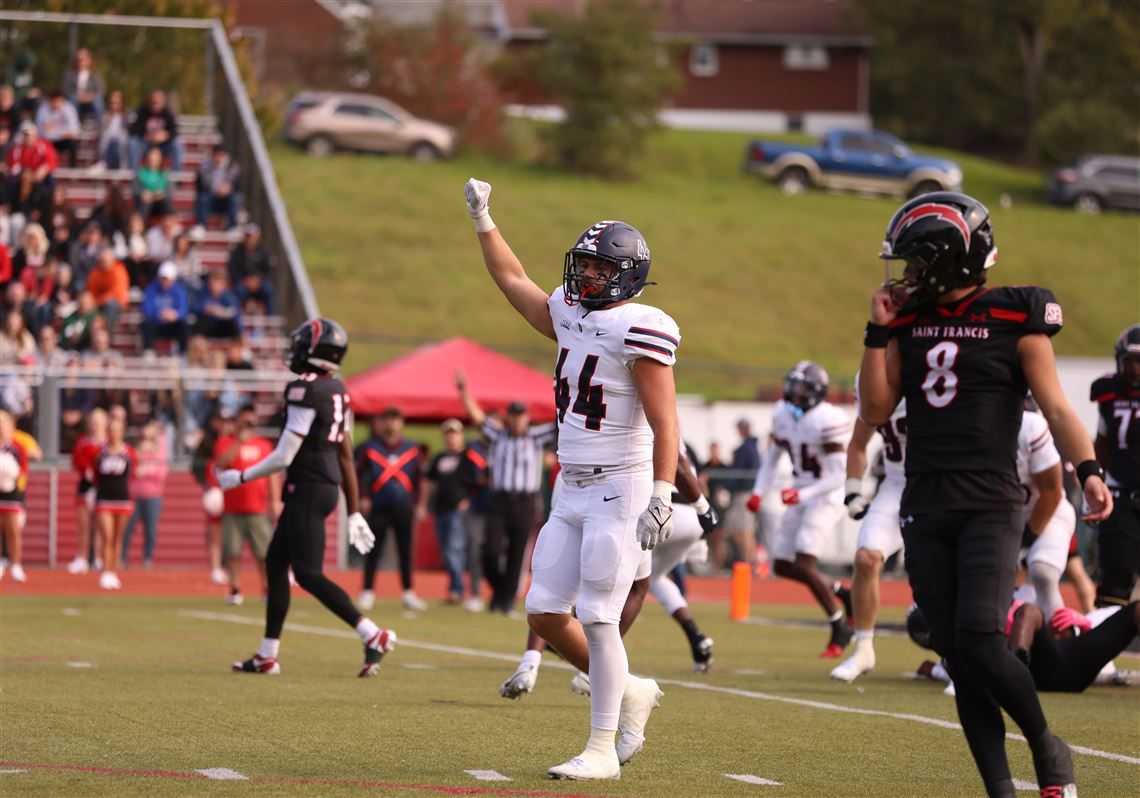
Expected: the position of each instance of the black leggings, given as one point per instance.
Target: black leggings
(510, 522)
(1118, 544)
(1071, 664)
(299, 541)
(961, 567)
(398, 518)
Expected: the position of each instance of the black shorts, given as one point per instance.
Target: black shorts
(299, 539)
(1118, 537)
(961, 566)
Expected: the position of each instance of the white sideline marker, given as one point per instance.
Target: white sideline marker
(487, 775)
(222, 774)
(81, 665)
(1025, 786)
(748, 778)
(12, 771)
(417, 666)
(71, 612)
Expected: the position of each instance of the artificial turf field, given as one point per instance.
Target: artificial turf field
(123, 695)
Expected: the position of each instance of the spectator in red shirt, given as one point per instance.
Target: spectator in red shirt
(32, 155)
(252, 508)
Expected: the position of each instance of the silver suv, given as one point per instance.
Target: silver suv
(1096, 182)
(322, 122)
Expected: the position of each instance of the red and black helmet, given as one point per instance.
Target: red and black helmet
(945, 239)
(1128, 345)
(318, 345)
(617, 243)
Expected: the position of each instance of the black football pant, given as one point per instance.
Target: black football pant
(1070, 665)
(961, 566)
(1118, 543)
(398, 518)
(510, 521)
(299, 542)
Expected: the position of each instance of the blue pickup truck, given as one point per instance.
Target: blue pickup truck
(857, 160)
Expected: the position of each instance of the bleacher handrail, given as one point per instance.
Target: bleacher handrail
(267, 187)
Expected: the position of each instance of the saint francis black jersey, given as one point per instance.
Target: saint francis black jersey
(316, 408)
(1119, 409)
(965, 392)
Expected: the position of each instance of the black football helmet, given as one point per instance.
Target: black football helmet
(946, 241)
(917, 628)
(1128, 346)
(318, 345)
(805, 386)
(616, 243)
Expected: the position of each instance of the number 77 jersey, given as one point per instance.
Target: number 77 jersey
(965, 388)
(601, 421)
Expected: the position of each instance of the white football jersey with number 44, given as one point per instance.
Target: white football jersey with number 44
(803, 438)
(601, 421)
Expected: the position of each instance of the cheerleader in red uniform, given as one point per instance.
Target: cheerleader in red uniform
(83, 461)
(113, 504)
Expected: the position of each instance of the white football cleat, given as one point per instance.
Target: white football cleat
(587, 767)
(78, 566)
(861, 661)
(641, 696)
(521, 683)
(580, 684)
(365, 600)
(414, 602)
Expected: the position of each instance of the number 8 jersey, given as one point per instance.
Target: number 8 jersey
(965, 391)
(601, 421)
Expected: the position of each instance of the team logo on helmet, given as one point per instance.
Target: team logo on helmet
(932, 210)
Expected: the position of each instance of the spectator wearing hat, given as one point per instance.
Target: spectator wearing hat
(58, 123)
(84, 87)
(217, 188)
(389, 471)
(31, 160)
(165, 307)
(251, 269)
(154, 126)
(109, 285)
(449, 482)
(515, 462)
(217, 308)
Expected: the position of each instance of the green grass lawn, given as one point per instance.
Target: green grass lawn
(756, 280)
(143, 684)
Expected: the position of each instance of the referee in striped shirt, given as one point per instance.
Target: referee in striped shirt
(515, 462)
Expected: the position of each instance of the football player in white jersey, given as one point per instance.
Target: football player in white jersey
(1050, 519)
(879, 535)
(813, 433)
(617, 445)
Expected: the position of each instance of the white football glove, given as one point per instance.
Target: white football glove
(360, 537)
(229, 479)
(655, 524)
(478, 193)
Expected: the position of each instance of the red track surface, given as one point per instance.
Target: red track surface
(429, 584)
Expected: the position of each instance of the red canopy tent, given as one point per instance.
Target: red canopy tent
(422, 383)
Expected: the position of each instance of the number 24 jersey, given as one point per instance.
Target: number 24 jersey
(601, 421)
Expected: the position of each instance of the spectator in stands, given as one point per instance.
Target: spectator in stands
(13, 481)
(147, 485)
(58, 123)
(389, 472)
(165, 307)
(84, 86)
(251, 267)
(217, 308)
(34, 160)
(77, 326)
(196, 407)
(238, 356)
(84, 254)
(155, 126)
(160, 238)
(17, 346)
(20, 76)
(100, 356)
(31, 257)
(138, 260)
(114, 133)
(222, 392)
(48, 354)
(62, 300)
(189, 265)
(113, 213)
(449, 482)
(109, 284)
(16, 298)
(152, 186)
(217, 188)
(16, 397)
(9, 116)
(252, 508)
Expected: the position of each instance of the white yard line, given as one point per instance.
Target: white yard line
(487, 775)
(513, 658)
(748, 778)
(222, 774)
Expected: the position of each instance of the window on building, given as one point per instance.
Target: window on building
(703, 61)
(805, 56)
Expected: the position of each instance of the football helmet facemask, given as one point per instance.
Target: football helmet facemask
(1128, 348)
(318, 345)
(946, 242)
(613, 242)
(805, 386)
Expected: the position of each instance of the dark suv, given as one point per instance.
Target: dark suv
(1096, 182)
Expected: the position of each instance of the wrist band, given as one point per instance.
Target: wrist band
(484, 223)
(876, 336)
(852, 486)
(701, 505)
(663, 490)
(1089, 468)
